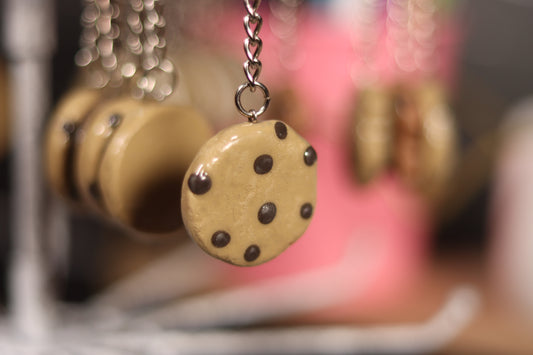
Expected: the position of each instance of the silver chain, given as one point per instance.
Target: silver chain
(252, 67)
(412, 29)
(367, 29)
(146, 41)
(97, 50)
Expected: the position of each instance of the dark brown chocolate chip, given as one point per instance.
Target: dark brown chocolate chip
(263, 164)
(309, 156)
(94, 190)
(306, 211)
(114, 120)
(266, 213)
(69, 128)
(281, 130)
(199, 183)
(220, 239)
(252, 253)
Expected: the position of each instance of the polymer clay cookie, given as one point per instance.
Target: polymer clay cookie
(250, 192)
(60, 134)
(91, 141)
(371, 133)
(438, 150)
(144, 163)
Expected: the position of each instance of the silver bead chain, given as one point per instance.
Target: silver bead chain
(98, 39)
(252, 67)
(146, 41)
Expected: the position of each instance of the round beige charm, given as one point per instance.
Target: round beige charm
(59, 151)
(250, 192)
(371, 134)
(91, 142)
(144, 163)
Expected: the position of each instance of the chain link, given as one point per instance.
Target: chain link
(253, 66)
(146, 41)
(98, 39)
(412, 28)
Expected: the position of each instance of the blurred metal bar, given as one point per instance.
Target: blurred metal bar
(29, 37)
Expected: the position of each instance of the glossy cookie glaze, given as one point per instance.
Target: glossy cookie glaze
(60, 135)
(142, 168)
(250, 192)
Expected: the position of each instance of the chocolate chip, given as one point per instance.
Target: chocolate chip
(69, 128)
(114, 120)
(94, 190)
(220, 239)
(306, 211)
(281, 130)
(252, 253)
(199, 183)
(310, 156)
(263, 164)
(266, 213)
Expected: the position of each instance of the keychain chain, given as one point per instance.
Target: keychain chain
(146, 41)
(98, 40)
(252, 67)
(412, 31)
(367, 29)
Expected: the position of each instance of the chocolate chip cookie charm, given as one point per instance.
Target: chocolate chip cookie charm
(144, 162)
(370, 133)
(92, 140)
(60, 146)
(97, 60)
(250, 192)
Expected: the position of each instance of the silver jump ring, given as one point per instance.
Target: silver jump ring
(252, 114)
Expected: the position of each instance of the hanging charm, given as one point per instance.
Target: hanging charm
(117, 150)
(98, 60)
(371, 132)
(372, 120)
(250, 192)
(136, 150)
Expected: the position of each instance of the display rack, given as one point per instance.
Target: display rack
(38, 324)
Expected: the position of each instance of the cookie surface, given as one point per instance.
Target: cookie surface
(250, 192)
(370, 135)
(59, 139)
(144, 163)
(91, 141)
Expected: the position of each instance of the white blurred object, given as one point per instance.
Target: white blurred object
(426, 337)
(512, 206)
(30, 41)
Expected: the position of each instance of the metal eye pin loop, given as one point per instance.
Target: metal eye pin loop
(253, 46)
(251, 113)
